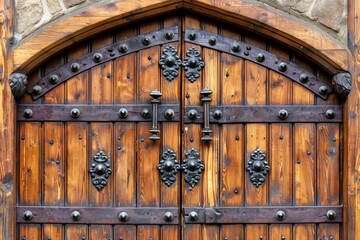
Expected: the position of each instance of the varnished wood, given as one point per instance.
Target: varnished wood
(328, 52)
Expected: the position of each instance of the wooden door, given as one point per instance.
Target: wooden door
(179, 127)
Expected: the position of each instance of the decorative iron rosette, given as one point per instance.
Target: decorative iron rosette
(168, 167)
(100, 170)
(257, 167)
(193, 64)
(193, 167)
(170, 63)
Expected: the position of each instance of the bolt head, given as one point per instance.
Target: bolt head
(193, 216)
(97, 57)
(304, 78)
(123, 48)
(75, 113)
(330, 114)
(75, 67)
(282, 67)
(123, 216)
(27, 215)
(146, 41)
(260, 57)
(169, 35)
(28, 113)
(37, 89)
(283, 114)
(331, 214)
(236, 48)
(123, 113)
(192, 36)
(280, 215)
(53, 79)
(75, 215)
(218, 114)
(168, 216)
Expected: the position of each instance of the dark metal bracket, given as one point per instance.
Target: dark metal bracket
(168, 167)
(193, 64)
(101, 56)
(170, 63)
(100, 170)
(257, 167)
(342, 83)
(193, 167)
(154, 129)
(18, 84)
(259, 56)
(206, 99)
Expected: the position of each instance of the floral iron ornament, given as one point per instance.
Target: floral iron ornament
(100, 170)
(193, 167)
(257, 167)
(193, 64)
(168, 167)
(170, 63)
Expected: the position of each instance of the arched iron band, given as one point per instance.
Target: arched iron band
(105, 54)
(259, 56)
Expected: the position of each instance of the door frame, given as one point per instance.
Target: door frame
(312, 42)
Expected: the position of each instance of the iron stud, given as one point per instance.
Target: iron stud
(193, 216)
(146, 41)
(331, 214)
(192, 114)
(27, 215)
(283, 114)
(168, 216)
(75, 67)
(145, 113)
(236, 48)
(170, 61)
(169, 35)
(169, 114)
(123, 216)
(282, 67)
(123, 48)
(260, 57)
(37, 89)
(75, 215)
(280, 215)
(97, 57)
(323, 90)
(218, 114)
(123, 113)
(212, 41)
(53, 79)
(304, 78)
(75, 113)
(330, 114)
(28, 113)
(192, 36)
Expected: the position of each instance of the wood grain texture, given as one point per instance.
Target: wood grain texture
(351, 131)
(82, 24)
(8, 176)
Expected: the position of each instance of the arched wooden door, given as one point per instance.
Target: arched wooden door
(179, 127)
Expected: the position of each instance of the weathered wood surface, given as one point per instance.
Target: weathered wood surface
(7, 126)
(352, 130)
(81, 25)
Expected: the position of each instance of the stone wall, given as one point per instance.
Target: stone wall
(330, 15)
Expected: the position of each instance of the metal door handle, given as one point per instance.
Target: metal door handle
(154, 128)
(206, 100)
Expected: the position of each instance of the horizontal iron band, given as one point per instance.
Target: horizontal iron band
(267, 114)
(108, 53)
(97, 215)
(94, 113)
(267, 59)
(244, 215)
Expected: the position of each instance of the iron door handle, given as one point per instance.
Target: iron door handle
(154, 128)
(206, 100)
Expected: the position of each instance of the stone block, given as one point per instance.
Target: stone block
(54, 6)
(297, 5)
(28, 13)
(72, 3)
(329, 12)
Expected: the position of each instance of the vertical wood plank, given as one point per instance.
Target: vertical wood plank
(304, 163)
(256, 232)
(146, 232)
(8, 175)
(30, 231)
(53, 231)
(192, 135)
(76, 232)
(54, 175)
(278, 231)
(97, 232)
(351, 128)
(125, 232)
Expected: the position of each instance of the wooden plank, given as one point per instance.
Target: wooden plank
(53, 231)
(30, 231)
(231, 79)
(255, 84)
(191, 135)
(125, 232)
(76, 231)
(54, 161)
(256, 232)
(77, 168)
(304, 166)
(125, 79)
(170, 232)
(351, 132)
(100, 232)
(29, 164)
(280, 231)
(148, 232)
(8, 175)
(232, 231)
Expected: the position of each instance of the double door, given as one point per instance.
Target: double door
(180, 127)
